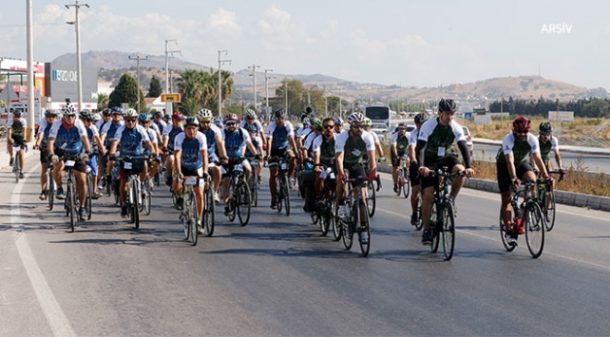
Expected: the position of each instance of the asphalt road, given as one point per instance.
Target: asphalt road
(590, 162)
(278, 276)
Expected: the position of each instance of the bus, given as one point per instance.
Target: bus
(380, 115)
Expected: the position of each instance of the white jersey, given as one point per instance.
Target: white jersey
(24, 122)
(341, 139)
(82, 131)
(508, 144)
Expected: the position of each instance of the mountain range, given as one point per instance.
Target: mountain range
(113, 64)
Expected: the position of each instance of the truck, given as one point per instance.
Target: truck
(381, 118)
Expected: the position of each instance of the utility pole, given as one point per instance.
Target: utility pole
(325, 106)
(30, 53)
(285, 95)
(79, 76)
(253, 68)
(308, 96)
(167, 54)
(267, 77)
(220, 63)
(138, 58)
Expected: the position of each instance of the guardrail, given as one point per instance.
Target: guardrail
(566, 148)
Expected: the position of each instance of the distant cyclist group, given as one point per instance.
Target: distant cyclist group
(206, 161)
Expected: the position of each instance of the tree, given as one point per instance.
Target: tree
(126, 92)
(227, 88)
(197, 90)
(102, 101)
(154, 90)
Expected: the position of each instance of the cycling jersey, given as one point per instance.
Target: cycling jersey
(519, 149)
(375, 137)
(235, 142)
(326, 148)
(353, 147)
(131, 141)
(413, 137)
(256, 142)
(210, 137)
(45, 128)
(17, 127)
(401, 143)
(68, 139)
(101, 123)
(439, 139)
(546, 148)
(308, 143)
(109, 131)
(152, 136)
(254, 127)
(91, 134)
(161, 125)
(191, 159)
(280, 135)
(172, 133)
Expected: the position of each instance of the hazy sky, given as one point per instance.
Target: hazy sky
(420, 43)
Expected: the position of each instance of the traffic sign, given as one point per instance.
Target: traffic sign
(171, 97)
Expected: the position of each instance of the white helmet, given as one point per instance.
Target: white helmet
(205, 113)
(250, 114)
(130, 113)
(355, 117)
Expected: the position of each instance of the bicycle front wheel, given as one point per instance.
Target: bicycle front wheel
(243, 203)
(286, 195)
(50, 189)
(534, 228)
(371, 201)
(448, 231)
(348, 229)
(336, 223)
(549, 211)
(208, 214)
(435, 224)
(406, 186)
(364, 231)
(88, 202)
(134, 190)
(192, 219)
(507, 237)
(71, 200)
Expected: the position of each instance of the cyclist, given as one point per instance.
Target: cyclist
(219, 123)
(16, 136)
(235, 140)
(44, 127)
(548, 144)
(368, 125)
(350, 145)
(159, 122)
(106, 118)
(191, 159)
(338, 124)
(513, 167)
(307, 175)
(96, 145)
(281, 143)
(130, 140)
(144, 120)
(419, 119)
(434, 151)
(68, 137)
(257, 135)
(398, 149)
(108, 131)
(324, 154)
(169, 136)
(216, 148)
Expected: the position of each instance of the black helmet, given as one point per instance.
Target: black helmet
(545, 128)
(192, 120)
(279, 113)
(86, 115)
(420, 118)
(446, 105)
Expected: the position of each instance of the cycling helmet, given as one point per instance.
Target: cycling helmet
(308, 110)
(117, 111)
(250, 114)
(545, 128)
(51, 112)
(279, 113)
(130, 113)
(68, 111)
(177, 114)
(218, 122)
(317, 124)
(420, 118)
(144, 117)
(446, 105)
(96, 117)
(230, 117)
(205, 114)
(521, 124)
(355, 117)
(402, 125)
(106, 112)
(368, 123)
(191, 120)
(338, 121)
(157, 113)
(86, 115)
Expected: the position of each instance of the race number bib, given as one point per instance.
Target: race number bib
(441, 151)
(190, 181)
(69, 163)
(357, 152)
(127, 165)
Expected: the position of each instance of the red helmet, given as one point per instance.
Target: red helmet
(521, 124)
(177, 114)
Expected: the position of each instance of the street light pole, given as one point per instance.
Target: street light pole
(79, 76)
(267, 77)
(30, 52)
(253, 67)
(220, 63)
(285, 95)
(167, 53)
(138, 58)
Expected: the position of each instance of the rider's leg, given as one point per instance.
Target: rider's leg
(58, 172)
(43, 176)
(21, 157)
(81, 187)
(216, 176)
(426, 208)
(273, 173)
(458, 181)
(199, 198)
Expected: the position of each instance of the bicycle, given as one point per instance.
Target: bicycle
(283, 195)
(50, 185)
(526, 211)
(89, 197)
(189, 214)
(356, 213)
(442, 216)
(239, 196)
(323, 212)
(70, 200)
(546, 199)
(134, 195)
(17, 148)
(208, 213)
(403, 182)
(253, 183)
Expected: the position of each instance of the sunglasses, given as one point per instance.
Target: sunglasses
(130, 119)
(208, 122)
(229, 124)
(356, 126)
(329, 126)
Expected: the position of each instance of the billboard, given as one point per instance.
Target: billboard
(561, 116)
(62, 81)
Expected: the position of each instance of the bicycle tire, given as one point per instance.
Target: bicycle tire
(325, 221)
(16, 167)
(208, 220)
(435, 224)
(244, 203)
(232, 211)
(280, 194)
(50, 189)
(135, 207)
(549, 210)
(336, 223)
(371, 199)
(509, 245)
(89, 201)
(364, 228)
(406, 186)
(286, 194)
(192, 221)
(420, 223)
(448, 230)
(348, 232)
(71, 197)
(534, 228)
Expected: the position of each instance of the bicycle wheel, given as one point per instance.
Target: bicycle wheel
(364, 230)
(243, 203)
(507, 239)
(192, 220)
(16, 167)
(253, 190)
(448, 231)
(419, 224)
(280, 194)
(335, 222)
(325, 218)
(231, 215)
(549, 210)
(208, 215)
(116, 192)
(50, 189)
(147, 200)
(534, 228)
(71, 200)
(435, 224)
(88, 201)
(371, 200)
(406, 186)
(135, 196)
(185, 217)
(348, 228)
(286, 195)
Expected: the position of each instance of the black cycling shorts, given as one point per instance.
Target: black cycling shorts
(448, 161)
(504, 182)
(414, 174)
(79, 165)
(357, 172)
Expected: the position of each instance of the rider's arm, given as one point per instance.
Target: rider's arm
(150, 146)
(86, 144)
(540, 164)
(420, 152)
(9, 136)
(113, 146)
(177, 163)
(379, 149)
(51, 146)
(220, 147)
(294, 146)
(465, 153)
(510, 164)
(204, 155)
(339, 164)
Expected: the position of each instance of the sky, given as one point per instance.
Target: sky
(407, 43)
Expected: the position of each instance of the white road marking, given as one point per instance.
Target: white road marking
(58, 322)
